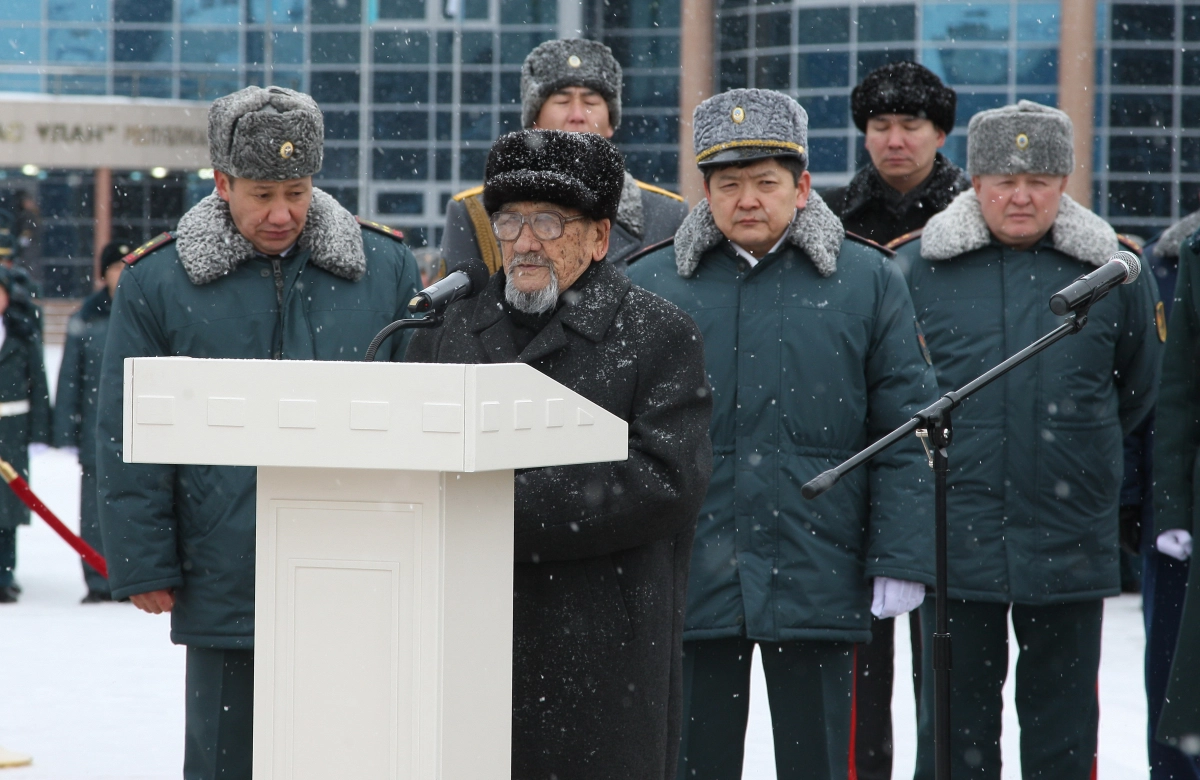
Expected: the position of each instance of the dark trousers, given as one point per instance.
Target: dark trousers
(218, 732)
(1057, 705)
(89, 528)
(8, 556)
(810, 688)
(1164, 583)
(873, 680)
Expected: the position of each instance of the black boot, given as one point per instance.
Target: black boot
(96, 597)
(9, 595)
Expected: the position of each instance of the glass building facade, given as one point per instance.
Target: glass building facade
(414, 91)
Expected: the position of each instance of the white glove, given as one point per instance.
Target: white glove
(72, 451)
(37, 448)
(1176, 543)
(895, 597)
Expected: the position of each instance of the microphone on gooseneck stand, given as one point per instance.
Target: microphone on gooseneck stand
(468, 280)
(1121, 268)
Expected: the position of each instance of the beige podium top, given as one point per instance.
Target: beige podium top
(329, 414)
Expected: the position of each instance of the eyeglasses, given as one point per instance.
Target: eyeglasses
(546, 225)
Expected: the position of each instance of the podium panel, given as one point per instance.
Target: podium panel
(383, 625)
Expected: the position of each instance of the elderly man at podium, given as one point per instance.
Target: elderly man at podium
(266, 267)
(602, 550)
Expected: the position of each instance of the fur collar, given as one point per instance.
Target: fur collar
(935, 193)
(959, 229)
(210, 247)
(629, 211)
(1171, 241)
(815, 230)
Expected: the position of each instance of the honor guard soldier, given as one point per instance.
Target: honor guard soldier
(1036, 465)
(76, 406)
(811, 349)
(601, 548)
(905, 113)
(266, 267)
(575, 85)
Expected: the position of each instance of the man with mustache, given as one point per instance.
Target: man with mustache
(601, 549)
(812, 351)
(1036, 464)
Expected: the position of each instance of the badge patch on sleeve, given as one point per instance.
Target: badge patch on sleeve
(1160, 320)
(925, 347)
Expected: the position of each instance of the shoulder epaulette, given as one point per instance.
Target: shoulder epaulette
(161, 239)
(390, 232)
(658, 190)
(868, 242)
(1130, 243)
(649, 250)
(900, 241)
(469, 193)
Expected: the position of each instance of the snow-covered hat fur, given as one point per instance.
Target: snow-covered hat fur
(569, 62)
(903, 88)
(748, 124)
(1025, 138)
(271, 134)
(584, 171)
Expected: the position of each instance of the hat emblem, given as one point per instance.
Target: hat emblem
(574, 61)
(738, 115)
(287, 150)
(1022, 141)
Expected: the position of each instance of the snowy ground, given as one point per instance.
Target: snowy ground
(97, 691)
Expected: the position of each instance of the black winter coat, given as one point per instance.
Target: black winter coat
(77, 400)
(873, 210)
(602, 549)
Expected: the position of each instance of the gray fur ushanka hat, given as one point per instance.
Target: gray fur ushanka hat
(569, 62)
(271, 134)
(903, 88)
(748, 124)
(1025, 138)
(584, 171)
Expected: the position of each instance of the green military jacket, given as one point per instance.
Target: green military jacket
(22, 379)
(207, 295)
(75, 403)
(1036, 462)
(812, 353)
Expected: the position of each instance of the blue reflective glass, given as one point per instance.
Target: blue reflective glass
(208, 11)
(77, 10)
(734, 32)
(1142, 66)
(335, 11)
(76, 45)
(733, 73)
(137, 85)
(814, 71)
(1139, 154)
(965, 22)
(1189, 156)
(287, 11)
(642, 15)
(407, 87)
(339, 162)
(80, 85)
(206, 86)
(646, 51)
(661, 168)
(142, 10)
(142, 46)
(400, 203)
(20, 82)
(477, 48)
(1037, 22)
(775, 29)
(341, 125)
(827, 111)
(20, 44)
(287, 47)
(816, 25)
(401, 48)
(827, 155)
(870, 60)
(528, 11)
(969, 66)
(515, 46)
(477, 126)
(475, 9)
(210, 47)
(1143, 22)
(401, 9)
(971, 104)
(647, 129)
(335, 48)
(1139, 199)
(649, 91)
(291, 80)
(394, 164)
(1140, 110)
(334, 86)
(21, 10)
(476, 88)
(400, 125)
(256, 48)
(1037, 66)
(886, 23)
(774, 71)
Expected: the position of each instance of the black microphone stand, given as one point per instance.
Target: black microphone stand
(430, 320)
(933, 423)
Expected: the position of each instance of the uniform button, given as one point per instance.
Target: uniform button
(265, 273)
(742, 266)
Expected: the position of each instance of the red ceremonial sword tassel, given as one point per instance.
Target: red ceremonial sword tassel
(30, 499)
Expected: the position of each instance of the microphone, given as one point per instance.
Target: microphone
(467, 280)
(1121, 268)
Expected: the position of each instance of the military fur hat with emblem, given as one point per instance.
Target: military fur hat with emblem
(748, 124)
(904, 88)
(583, 171)
(271, 134)
(1025, 138)
(569, 62)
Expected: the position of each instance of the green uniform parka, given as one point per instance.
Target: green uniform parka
(1036, 462)
(22, 378)
(1177, 484)
(812, 353)
(206, 295)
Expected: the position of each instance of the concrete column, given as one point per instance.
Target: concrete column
(697, 58)
(1077, 88)
(570, 19)
(101, 220)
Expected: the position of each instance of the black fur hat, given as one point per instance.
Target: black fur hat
(114, 252)
(584, 171)
(903, 88)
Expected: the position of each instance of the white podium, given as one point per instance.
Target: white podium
(383, 603)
